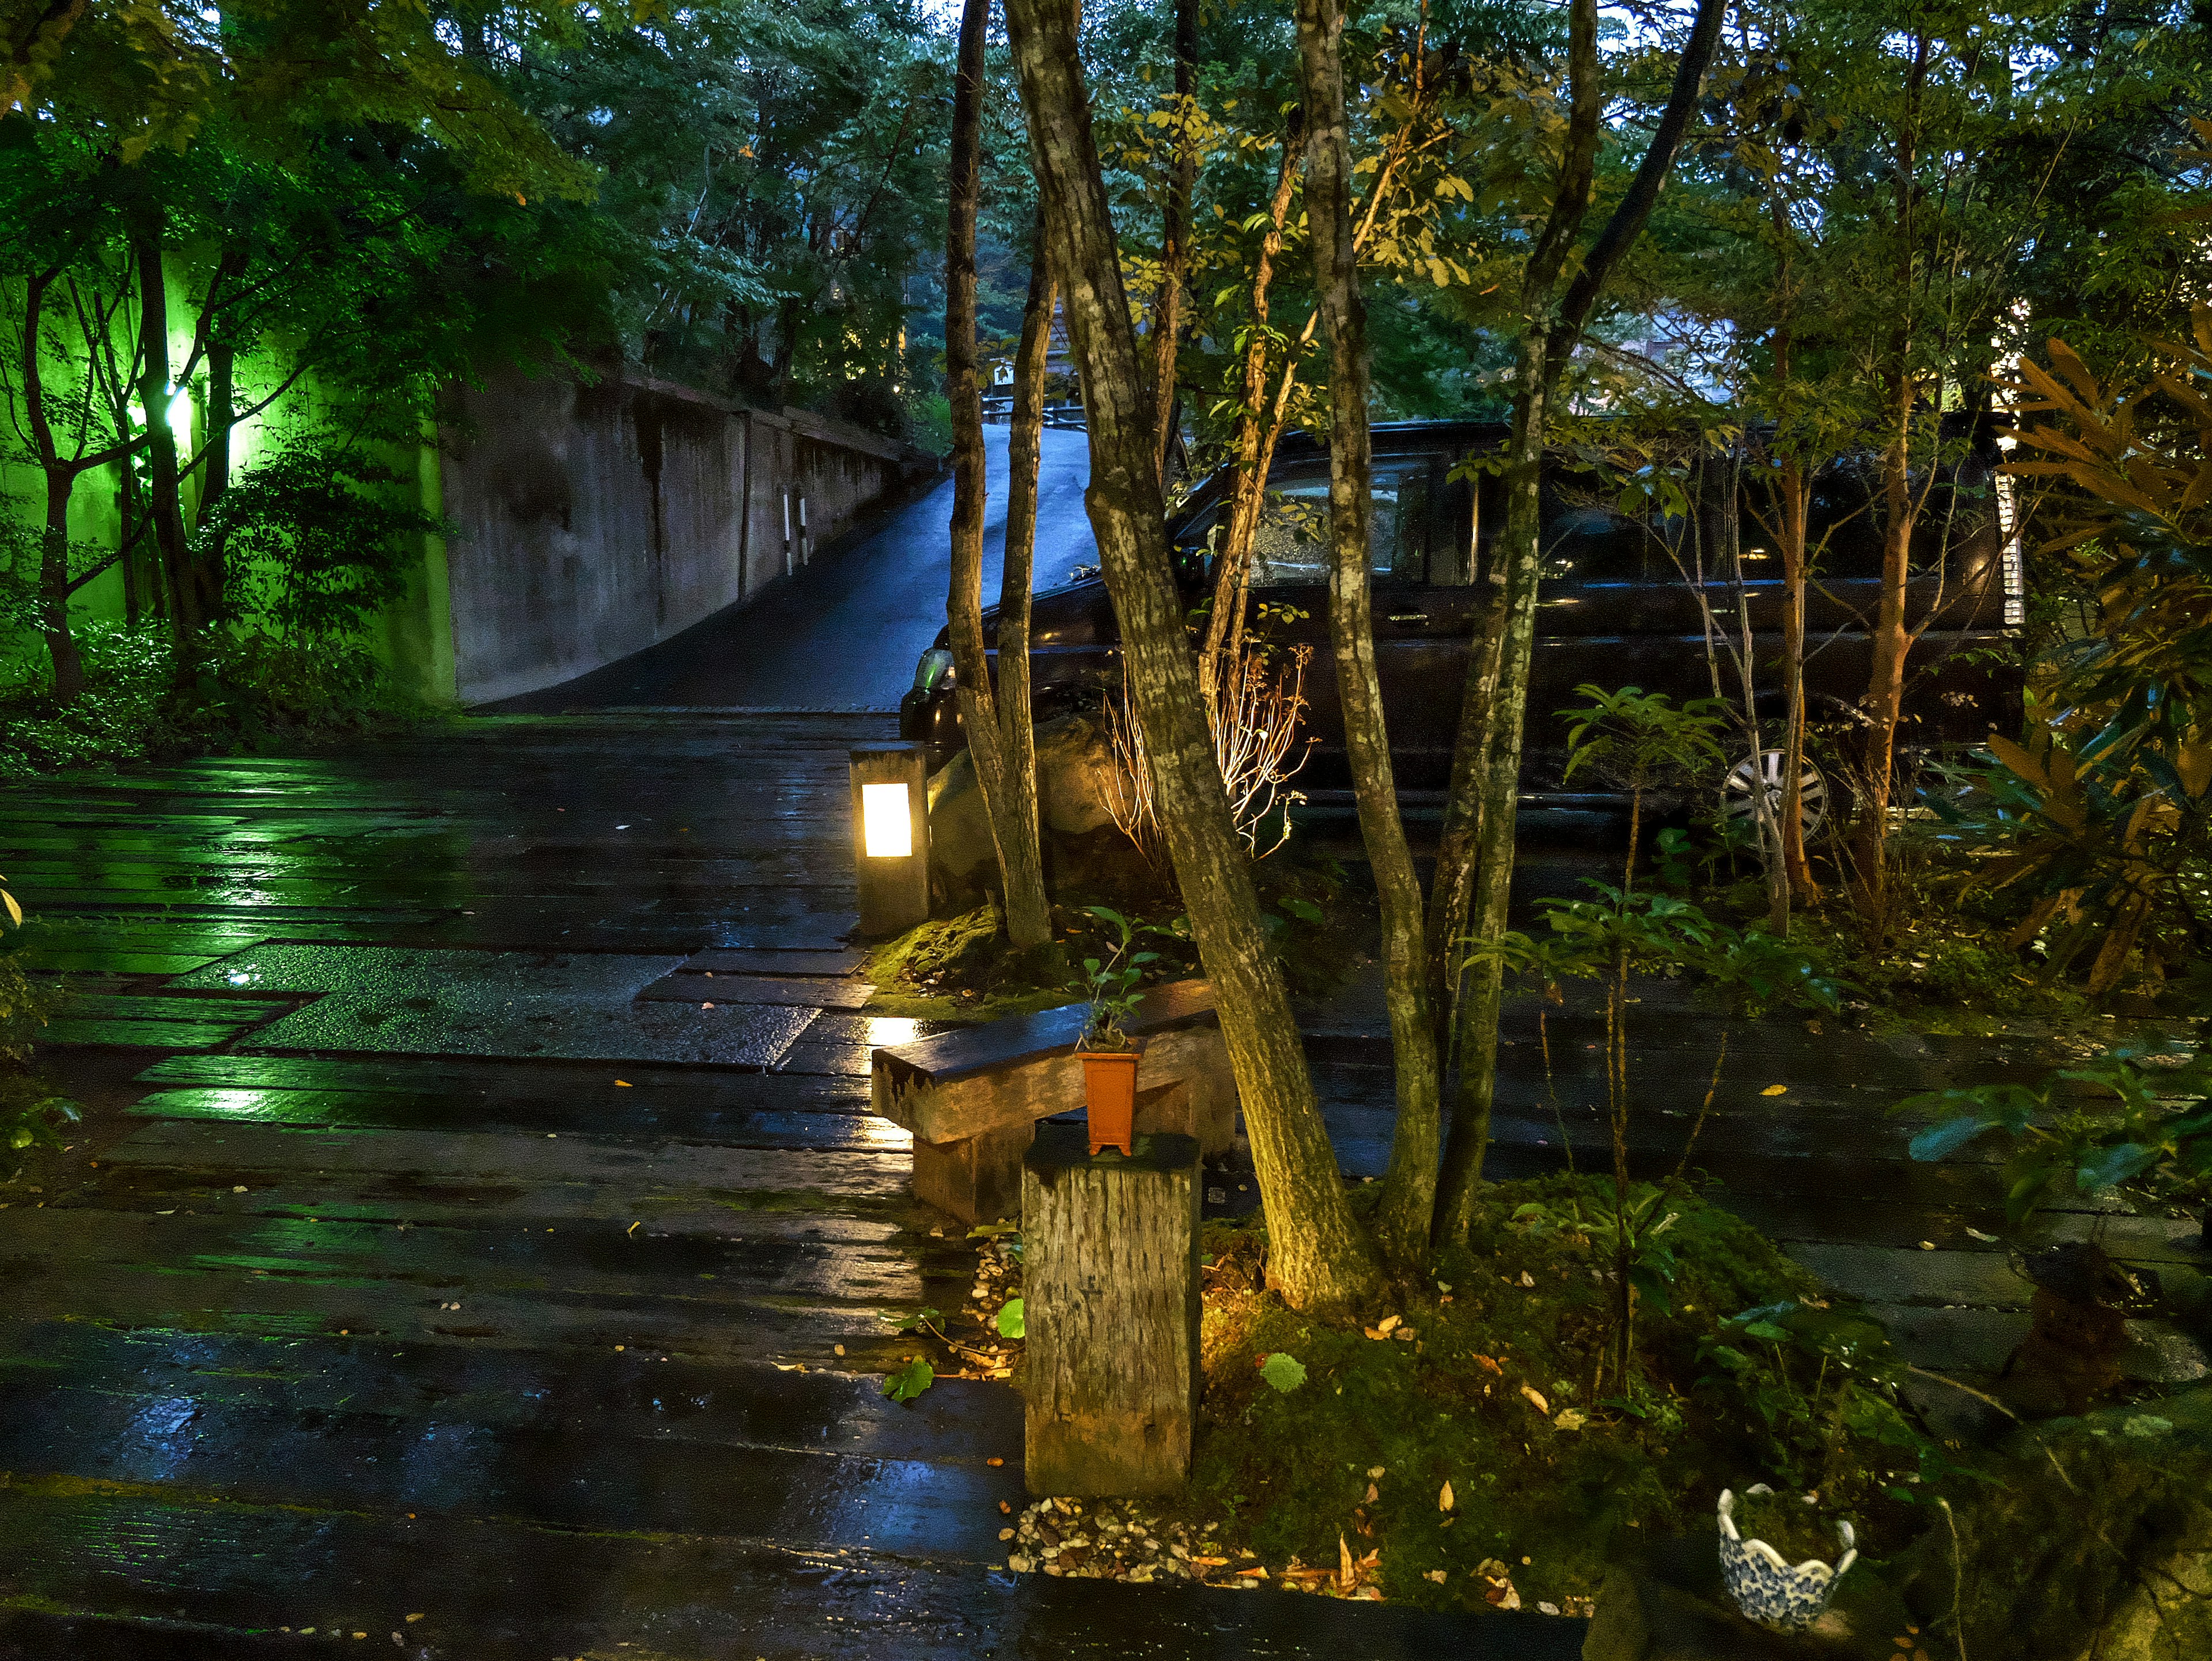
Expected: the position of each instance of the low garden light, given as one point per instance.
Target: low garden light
(890, 836)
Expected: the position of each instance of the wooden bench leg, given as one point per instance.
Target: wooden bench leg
(978, 1178)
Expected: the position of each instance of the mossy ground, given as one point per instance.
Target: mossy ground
(1474, 1401)
(960, 969)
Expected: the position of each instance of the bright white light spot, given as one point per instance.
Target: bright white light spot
(890, 831)
(180, 417)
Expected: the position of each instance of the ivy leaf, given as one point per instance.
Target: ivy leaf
(1285, 1372)
(1010, 1324)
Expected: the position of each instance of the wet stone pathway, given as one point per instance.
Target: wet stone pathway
(477, 1242)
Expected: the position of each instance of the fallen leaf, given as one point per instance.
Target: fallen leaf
(1570, 1419)
(1372, 1333)
(1776, 1090)
(1484, 1360)
(1209, 1562)
(1444, 1498)
(1260, 1573)
(994, 1462)
(1536, 1399)
(1987, 1239)
(1376, 1471)
(1388, 1324)
(1526, 1279)
(623, 1084)
(1373, 1494)
(838, 1350)
(1436, 1575)
(1405, 1335)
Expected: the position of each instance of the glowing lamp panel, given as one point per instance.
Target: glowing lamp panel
(886, 825)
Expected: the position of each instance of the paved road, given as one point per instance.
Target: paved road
(844, 633)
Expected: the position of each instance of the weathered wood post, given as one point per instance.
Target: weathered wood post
(1111, 1296)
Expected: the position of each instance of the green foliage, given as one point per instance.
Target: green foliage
(2158, 1129)
(1010, 1321)
(32, 1113)
(244, 692)
(908, 1382)
(316, 539)
(1644, 739)
(1747, 968)
(1284, 1473)
(1114, 983)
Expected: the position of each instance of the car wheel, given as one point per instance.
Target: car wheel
(1739, 803)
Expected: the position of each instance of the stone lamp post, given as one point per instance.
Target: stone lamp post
(890, 836)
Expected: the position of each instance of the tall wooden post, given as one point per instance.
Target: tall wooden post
(1111, 1296)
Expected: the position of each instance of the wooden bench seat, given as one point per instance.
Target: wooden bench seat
(973, 1098)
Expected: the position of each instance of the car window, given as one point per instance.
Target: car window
(1291, 547)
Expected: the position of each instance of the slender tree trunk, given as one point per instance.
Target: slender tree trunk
(188, 606)
(1001, 742)
(1497, 788)
(1461, 834)
(1258, 427)
(1175, 241)
(60, 482)
(1408, 1203)
(1318, 1253)
(1548, 336)
(1795, 486)
(1892, 640)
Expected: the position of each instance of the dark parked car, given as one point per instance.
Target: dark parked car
(1616, 609)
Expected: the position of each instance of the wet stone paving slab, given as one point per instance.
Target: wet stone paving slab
(478, 1243)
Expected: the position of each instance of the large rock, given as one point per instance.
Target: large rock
(1075, 784)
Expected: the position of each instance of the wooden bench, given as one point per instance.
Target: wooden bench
(973, 1098)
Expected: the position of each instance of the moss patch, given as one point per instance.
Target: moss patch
(1472, 1453)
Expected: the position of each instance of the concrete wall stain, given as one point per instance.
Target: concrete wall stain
(596, 520)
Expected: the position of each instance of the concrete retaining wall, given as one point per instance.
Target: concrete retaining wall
(594, 522)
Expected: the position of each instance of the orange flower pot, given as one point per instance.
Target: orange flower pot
(1109, 1092)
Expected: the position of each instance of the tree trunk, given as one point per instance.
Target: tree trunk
(1316, 1251)
(1409, 1189)
(1891, 641)
(1001, 742)
(1548, 337)
(1795, 486)
(1258, 427)
(60, 481)
(1498, 789)
(210, 567)
(1175, 241)
(188, 606)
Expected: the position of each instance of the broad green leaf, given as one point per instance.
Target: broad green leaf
(910, 1380)
(1010, 1324)
(1947, 1137)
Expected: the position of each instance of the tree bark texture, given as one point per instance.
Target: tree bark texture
(62, 651)
(1891, 639)
(1000, 739)
(1408, 1201)
(188, 606)
(1317, 1252)
(1175, 241)
(1259, 424)
(1111, 1290)
(1548, 337)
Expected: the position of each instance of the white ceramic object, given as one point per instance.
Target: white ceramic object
(1769, 1590)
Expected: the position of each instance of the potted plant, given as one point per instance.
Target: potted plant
(1761, 1577)
(1110, 1054)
